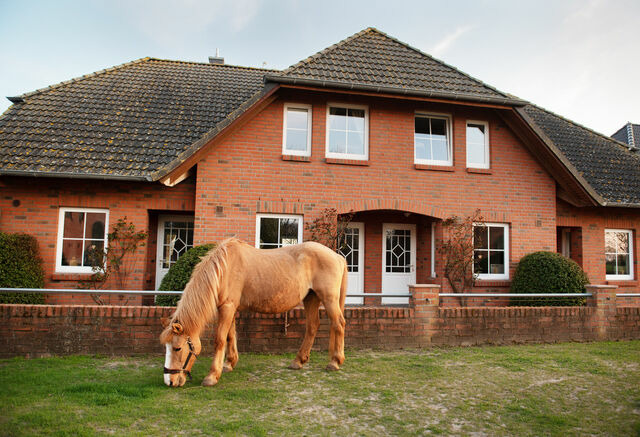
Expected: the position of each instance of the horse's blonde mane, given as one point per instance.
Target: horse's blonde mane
(199, 302)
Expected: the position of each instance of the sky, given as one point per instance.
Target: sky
(578, 59)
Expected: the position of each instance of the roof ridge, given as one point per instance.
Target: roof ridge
(593, 132)
(443, 63)
(83, 77)
(630, 137)
(396, 40)
(328, 49)
(177, 61)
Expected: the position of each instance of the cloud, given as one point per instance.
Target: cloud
(448, 41)
(170, 22)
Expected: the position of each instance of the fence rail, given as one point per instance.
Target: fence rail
(85, 291)
(161, 292)
(515, 294)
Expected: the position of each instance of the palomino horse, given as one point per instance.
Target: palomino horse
(236, 276)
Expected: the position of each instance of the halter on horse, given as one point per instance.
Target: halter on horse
(184, 370)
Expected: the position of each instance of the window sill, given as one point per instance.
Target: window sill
(297, 158)
(622, 283)
(479, 170)
(492, 283)
(347, 161)
(448, 168)
(70, 276)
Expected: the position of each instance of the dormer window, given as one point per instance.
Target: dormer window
(296, 131)
(432, 140)
(347, 132)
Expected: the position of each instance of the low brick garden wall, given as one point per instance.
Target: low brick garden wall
(40, 330)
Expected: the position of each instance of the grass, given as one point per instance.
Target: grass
(562, 389)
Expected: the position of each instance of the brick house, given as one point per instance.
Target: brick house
(194, 153)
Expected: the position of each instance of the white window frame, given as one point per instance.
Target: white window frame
(631, 272)
(329, 154)
(487, 164)
(77, 269)
(440, 116)
(284, 216)
(495, 276)
(286, 151)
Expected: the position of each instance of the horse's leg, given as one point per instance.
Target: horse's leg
(232, 348)
(336, 336)
(311, 309)
(226, 315)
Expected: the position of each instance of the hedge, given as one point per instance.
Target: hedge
(180, 273)
(20, 267)
(548, 272)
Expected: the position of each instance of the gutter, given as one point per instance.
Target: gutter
(42, 174)
(391, 90)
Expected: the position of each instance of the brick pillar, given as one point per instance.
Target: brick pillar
(425, 301)
(603, 299)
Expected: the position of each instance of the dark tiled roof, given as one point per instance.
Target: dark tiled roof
(628, 134)
(372, 59)
(608, 166)
(127, 121)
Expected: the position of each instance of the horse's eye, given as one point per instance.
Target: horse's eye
(177, 349)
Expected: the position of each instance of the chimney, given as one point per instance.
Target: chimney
(216, 59)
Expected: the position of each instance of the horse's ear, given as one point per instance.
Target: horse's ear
(165, 321)
(177, 328)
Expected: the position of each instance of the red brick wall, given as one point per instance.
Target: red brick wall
(592, 223)
(31, 205)
(246, 174)
(37, 330)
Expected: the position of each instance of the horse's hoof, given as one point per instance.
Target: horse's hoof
(209, 381)
(295, 365)
(226, 368)
(332, 367)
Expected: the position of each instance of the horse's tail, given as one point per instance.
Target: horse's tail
(343, 285)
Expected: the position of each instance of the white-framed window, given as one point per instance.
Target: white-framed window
(432, 139)
(82, 234)
(296, 130)
(277, 230)
(347, 131)
(491, 250)
(477, 144)
(618, 252)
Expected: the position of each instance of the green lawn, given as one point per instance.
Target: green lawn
(563, 389)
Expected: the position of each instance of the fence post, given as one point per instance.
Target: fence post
(603, 299)
(425, 301)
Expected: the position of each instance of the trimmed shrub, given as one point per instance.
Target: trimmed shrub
(180, 273)
(20, 267)
(548, 272)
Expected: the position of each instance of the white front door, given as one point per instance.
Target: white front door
(353, 250)
(175, 237)
(398, 261)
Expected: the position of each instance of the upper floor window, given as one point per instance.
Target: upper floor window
(277, 230)
(432, 140)
(491, 251)
(347, 132)
(82, 238)
(618, 252)
(477, 144)
(297, 130)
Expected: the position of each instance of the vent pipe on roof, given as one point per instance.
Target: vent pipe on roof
(217, 59)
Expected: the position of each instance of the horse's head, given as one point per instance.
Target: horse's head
(181, 353)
